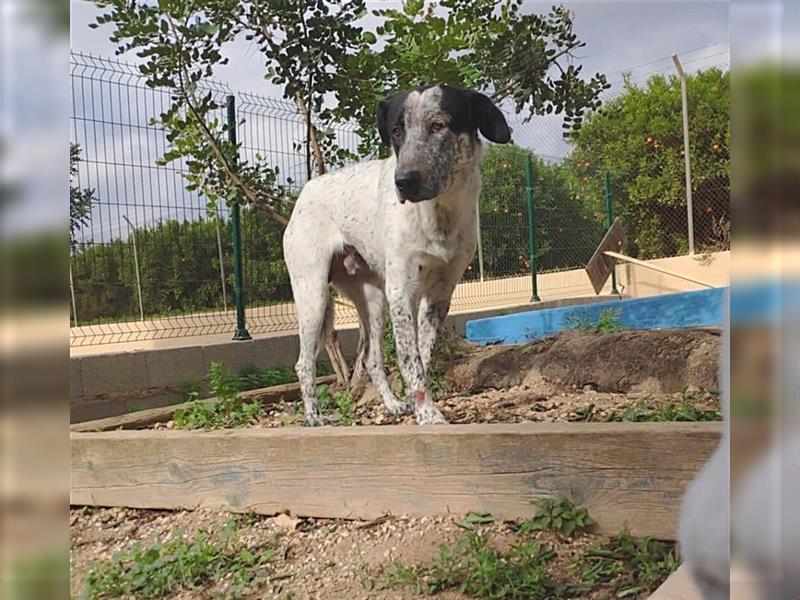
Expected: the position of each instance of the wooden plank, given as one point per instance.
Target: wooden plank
(626, 474)
(146, 418)
(600, 266)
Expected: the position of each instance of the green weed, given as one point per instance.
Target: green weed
(253, 377)
(388, 346)
(632, 566)
(399, 575)
(181, 563)
(476, 569)
(191, 390)
(623, 565)
(480, 571)
(474, 519)
(684, 411)
(340, 405)
(226, 411)
(608, 321)
(559, 515)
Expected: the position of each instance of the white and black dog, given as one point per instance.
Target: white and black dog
(402, 229)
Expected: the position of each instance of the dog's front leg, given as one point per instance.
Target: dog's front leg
(429, 320)
(401, 308)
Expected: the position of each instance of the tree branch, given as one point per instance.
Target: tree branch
(313, 141)
(213, 142)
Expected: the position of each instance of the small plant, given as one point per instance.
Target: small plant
(480, 571)
(608, 321)
(633, 566)
(339, 405)
(191, 390)
(584, 413)
(559, 515)
(473, 519)
(253, 377)
(388, 346)
(399, 575)
(180, 563)
(684, 412)
(227, 410)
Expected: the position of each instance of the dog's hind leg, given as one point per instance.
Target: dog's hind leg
(315, 319)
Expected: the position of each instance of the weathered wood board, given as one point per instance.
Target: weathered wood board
(627, 474)
(150, 416)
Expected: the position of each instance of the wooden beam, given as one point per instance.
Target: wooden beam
(150, 416)
(627, 474)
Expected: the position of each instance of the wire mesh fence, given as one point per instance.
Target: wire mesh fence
(151, 261)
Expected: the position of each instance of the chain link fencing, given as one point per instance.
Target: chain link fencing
(151, 261)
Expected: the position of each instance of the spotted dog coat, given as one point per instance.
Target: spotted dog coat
(401, 230)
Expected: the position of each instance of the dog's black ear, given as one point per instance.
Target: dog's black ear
(389, 111)
(382, 114)
(489, 120)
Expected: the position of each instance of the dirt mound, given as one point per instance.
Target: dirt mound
(663, 361)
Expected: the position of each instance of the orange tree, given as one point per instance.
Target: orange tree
(638, 137)
(567, 231)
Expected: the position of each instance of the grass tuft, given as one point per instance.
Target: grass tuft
(338, 405)
(684, 411)
(226, 411)
(179, 564)
(608, 321)
(620, 567)
(632, 566)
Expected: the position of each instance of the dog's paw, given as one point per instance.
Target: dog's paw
(429, 414)
(398, 408)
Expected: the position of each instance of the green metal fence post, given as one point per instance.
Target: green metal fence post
(238, 276)
(609, 194)
(531, 229)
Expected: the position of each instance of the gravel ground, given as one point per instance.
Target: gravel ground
(539, 401)
(315, 560)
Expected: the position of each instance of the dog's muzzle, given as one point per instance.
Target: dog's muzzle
(410, 186)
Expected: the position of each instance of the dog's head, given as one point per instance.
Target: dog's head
(434, 133)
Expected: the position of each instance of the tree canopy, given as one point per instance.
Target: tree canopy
(336, 70)
(638, 137)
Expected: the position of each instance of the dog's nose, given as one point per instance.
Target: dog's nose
(408, 182)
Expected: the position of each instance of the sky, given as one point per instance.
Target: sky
(618, 36)
(635, 37)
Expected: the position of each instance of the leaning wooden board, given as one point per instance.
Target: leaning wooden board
(148, 417)
(627, 474)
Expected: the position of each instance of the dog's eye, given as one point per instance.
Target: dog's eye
(396, 132)
(436, 127)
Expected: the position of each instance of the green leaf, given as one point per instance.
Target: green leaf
(473, 519)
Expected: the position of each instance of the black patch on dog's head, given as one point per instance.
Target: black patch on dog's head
(470, 112)
(390, 112)
(488, 118)
(433, 131)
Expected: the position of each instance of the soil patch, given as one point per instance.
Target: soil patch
(664, 361)
(661, 375)
(322, 559)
